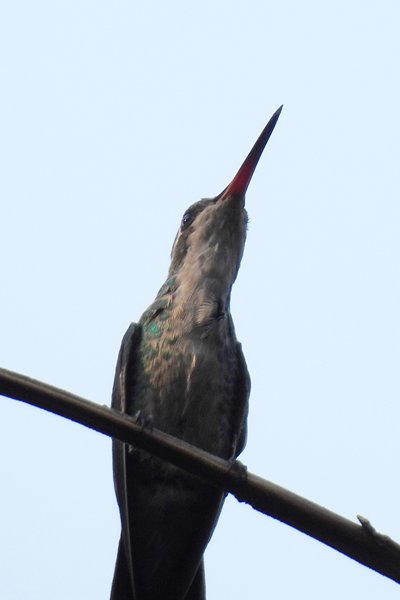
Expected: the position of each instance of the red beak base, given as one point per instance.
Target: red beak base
(241, 181)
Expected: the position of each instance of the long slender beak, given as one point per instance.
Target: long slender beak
(241, 181)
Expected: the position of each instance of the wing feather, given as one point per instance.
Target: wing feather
(123, 582)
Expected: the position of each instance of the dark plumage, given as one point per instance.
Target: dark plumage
(181, 370)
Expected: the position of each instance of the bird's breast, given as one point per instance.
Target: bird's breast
(185, 381)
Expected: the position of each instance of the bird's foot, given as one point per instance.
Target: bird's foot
(144, 420)
(239, 472)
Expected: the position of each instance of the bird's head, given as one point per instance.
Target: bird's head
(210, 242)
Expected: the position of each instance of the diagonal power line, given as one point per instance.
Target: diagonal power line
(359, 541)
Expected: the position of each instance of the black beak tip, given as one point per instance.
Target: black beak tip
(240, 182)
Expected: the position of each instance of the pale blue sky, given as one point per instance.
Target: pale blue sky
(115, 117)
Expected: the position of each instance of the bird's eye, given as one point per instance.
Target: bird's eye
(186, 219)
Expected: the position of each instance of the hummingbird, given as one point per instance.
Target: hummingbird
(181, 369)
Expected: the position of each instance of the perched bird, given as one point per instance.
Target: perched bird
(181, 370)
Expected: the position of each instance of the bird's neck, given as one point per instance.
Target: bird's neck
(192, 303)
